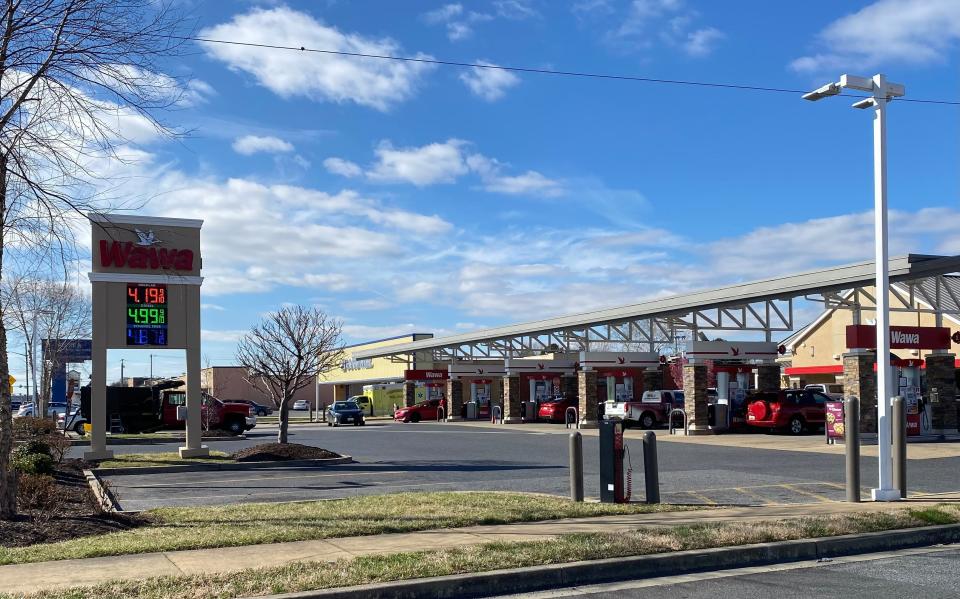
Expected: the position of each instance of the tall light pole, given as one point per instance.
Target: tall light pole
(882, 91)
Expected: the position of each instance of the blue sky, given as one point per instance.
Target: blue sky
(417, 198)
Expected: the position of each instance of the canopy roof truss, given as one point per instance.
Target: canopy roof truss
(917, 282)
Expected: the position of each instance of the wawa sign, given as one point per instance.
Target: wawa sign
(158, 247)
(864, 336)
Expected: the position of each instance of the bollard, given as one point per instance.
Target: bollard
(576, 466)
(899, 423)
(851, 439)
(651, 472)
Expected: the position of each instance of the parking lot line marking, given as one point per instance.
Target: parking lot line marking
(702, 498)
(817, 496)
(266, 478)
(745, 491)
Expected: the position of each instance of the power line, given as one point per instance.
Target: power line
(534, 70)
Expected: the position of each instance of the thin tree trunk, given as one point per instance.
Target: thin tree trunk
(8, 478)
(284, 419)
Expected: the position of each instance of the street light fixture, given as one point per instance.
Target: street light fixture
(881, 92)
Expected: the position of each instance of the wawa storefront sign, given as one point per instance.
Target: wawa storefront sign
(864, 336)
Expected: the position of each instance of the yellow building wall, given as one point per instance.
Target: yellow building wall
(826, 344)
(375, 369)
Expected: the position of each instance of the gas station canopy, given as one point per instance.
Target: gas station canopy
(765, 305)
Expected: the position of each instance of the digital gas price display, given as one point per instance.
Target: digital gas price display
(146, 314)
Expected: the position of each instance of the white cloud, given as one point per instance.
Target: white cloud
(443, 14)
(374, 83)
(460, 22)
(427, 165)
(528, 183)
(215, 307)
(344, 168)
(488, 83)
(515, 9)
(223, 336)
(252, 144)
(887, 32)
(702, 41)
(648, 23)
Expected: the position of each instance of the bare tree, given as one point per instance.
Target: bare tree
(38, 308)
(287, 351)
(75, 75)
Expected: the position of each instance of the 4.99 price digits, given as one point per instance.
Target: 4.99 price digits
(146, 316)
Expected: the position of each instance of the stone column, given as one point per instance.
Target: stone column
(941, 375)
(512, 410)
(587, 394)
(860, 380)
(768, 377)
(652, 380)
(454, 399)
(409, 393)
(695, 398)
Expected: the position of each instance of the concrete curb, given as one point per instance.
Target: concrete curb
(104, 497)
(154, 441)
(538, 578)
(230, 466)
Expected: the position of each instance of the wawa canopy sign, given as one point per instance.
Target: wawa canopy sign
(864, 336)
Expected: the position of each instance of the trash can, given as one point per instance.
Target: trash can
(530, 410)
(471, 410)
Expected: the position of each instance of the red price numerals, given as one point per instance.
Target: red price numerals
(137, 294)
(156, 295)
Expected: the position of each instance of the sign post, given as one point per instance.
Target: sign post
(146, 295)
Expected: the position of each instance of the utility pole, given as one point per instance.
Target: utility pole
(151, 368)
(123, 382)
(26, 378)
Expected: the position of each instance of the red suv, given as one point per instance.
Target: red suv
(793, 410)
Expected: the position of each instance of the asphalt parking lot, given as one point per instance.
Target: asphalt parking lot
(393, 457)
(928, 572)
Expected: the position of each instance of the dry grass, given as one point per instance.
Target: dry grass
(381, 568)
(163, 458)
(258, 523)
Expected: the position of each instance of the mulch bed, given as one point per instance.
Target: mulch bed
(289, 451)
(76, 515)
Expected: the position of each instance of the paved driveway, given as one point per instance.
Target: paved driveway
(394, 457)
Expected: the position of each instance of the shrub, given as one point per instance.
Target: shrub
(37, 494)
(27, 462)
(27, 427)
(35, 446)
(59, 445)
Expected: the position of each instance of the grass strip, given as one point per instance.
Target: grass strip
(163, 458)
(304, 576)
(257, 523)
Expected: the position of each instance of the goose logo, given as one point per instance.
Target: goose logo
(540, 366)
(621, 360)
(146, 238)
(479, 370)
(735, 351)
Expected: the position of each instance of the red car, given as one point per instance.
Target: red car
(555, 408)
(793, 410)
(425, 410)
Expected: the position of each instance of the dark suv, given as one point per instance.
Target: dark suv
(793, 410)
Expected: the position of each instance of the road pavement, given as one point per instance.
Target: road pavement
(931, 573)
(392, 457)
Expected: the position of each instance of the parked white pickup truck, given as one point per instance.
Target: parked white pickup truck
(652, 410)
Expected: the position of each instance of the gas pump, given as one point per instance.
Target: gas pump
(909, 389)
(615, 478)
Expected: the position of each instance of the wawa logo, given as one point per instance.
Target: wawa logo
(621, 360)
(904, 338)
(479, 370)
(734, 351)
(540, 366)
(124, 254)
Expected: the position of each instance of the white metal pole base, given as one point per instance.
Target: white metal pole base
(885, 494)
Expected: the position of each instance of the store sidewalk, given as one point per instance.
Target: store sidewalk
(24, 578)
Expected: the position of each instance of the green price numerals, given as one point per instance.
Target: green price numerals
(146, 316)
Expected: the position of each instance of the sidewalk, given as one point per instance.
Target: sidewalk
(24, 578)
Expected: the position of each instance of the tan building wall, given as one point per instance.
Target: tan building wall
(826, 342)
(228, 382)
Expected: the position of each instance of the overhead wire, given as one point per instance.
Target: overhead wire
(536, 70)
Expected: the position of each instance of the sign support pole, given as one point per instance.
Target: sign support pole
(194, 445)
(98, 380)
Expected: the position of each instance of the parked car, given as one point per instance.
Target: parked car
(258, 409)
(554, 409)
(301, 404)
(343, 412)
(54, 409)
(793, 410)
(834, 390)
(74, 423)
(425, 410)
